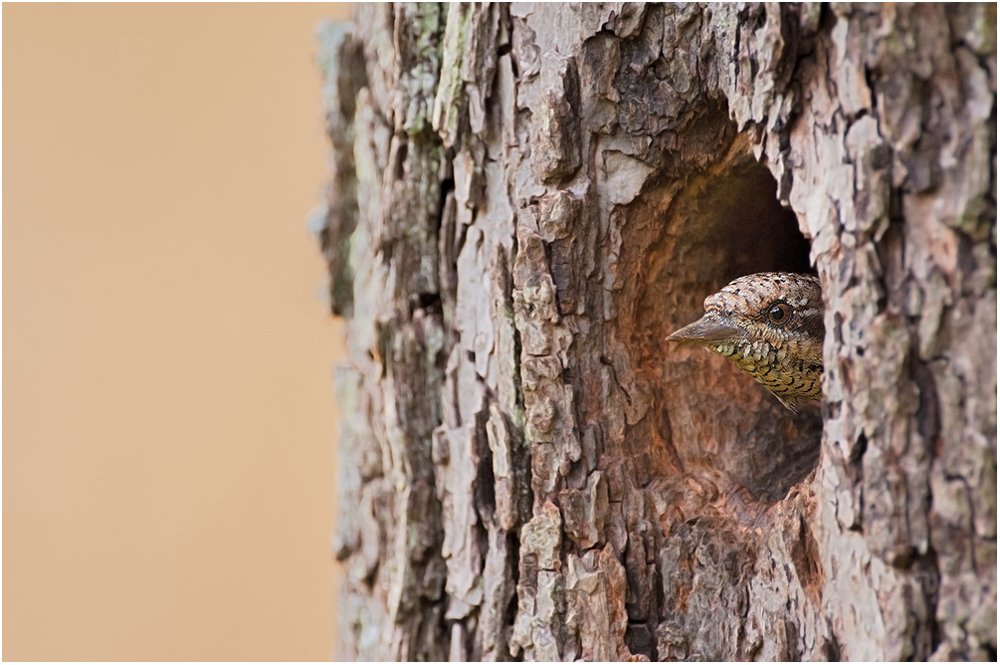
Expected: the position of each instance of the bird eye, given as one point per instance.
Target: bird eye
(779, 313)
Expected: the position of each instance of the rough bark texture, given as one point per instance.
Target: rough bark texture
(527, 199)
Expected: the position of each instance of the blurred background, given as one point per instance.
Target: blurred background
(168, 412)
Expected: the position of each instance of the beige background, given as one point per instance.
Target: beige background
(168, 414)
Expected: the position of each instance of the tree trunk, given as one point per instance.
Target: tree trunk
(526, 200)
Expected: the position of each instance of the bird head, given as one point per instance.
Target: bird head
(771, 326)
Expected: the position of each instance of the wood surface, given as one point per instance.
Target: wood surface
(527, 199)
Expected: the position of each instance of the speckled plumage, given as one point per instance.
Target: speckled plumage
(770, 325)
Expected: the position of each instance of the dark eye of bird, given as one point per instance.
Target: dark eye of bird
(779, 313)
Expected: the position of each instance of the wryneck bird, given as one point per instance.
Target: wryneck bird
(770, 325)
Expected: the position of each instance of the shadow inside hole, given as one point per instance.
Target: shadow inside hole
(750, 227)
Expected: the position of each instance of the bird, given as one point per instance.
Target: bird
(770, 324)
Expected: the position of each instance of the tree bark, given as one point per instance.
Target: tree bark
(527, 199)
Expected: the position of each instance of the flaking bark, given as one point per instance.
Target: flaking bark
(527, 199)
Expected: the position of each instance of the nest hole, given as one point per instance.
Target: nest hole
(712, 420)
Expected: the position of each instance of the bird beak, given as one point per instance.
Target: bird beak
(709, 328)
